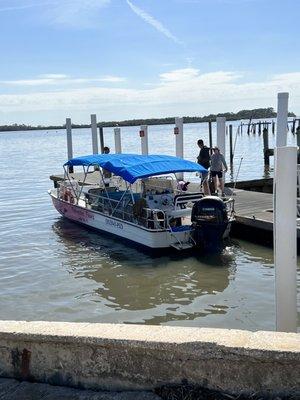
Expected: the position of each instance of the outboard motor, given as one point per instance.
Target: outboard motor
(209, 222)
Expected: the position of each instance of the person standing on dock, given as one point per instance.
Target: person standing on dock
(204, 160)
(216, 168)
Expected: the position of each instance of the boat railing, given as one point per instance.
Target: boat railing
(125, 210)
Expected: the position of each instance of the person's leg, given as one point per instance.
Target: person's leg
(206, 187)
(221, 180)
(204, 183)
(215, 179)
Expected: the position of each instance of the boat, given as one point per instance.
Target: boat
(139, 198)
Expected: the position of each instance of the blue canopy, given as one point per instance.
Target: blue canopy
(134, 166)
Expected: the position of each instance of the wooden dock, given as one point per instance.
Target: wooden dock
(254, 210)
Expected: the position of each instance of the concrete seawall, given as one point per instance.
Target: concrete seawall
(139, 357)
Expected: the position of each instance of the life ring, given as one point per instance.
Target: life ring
(71, 197)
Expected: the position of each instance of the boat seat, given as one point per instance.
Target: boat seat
(184, 212)
(186, 197)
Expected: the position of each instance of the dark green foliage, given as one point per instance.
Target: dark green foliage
(258, 113)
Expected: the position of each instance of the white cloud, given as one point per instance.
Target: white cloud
(53, 76)
(76, 13)
(72, 13)
(177, 92)
(25, 5)
(179, 75)
(62, 80)
(153, 22)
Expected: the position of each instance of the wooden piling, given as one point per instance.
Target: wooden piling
(259, 128)
(230, 146)
(69, 142)
(94, 133)
(298, 135)
(294, 126)
(118, 144)
(101, 139)
(282, 118)
(210, 136)
(285, 234)
(266, 146)
(273, 127)
(144, 139)
(221, 128)
(249, 126)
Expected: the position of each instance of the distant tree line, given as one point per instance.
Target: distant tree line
(257, 113)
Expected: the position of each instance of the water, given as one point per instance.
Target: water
(51, 269)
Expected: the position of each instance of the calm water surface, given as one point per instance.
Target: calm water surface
(51, 269)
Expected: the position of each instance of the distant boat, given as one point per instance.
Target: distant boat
(142, 201)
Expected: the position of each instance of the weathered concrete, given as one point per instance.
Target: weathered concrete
(139, 357)
(11, 389)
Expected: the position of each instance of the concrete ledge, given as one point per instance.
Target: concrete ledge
(140, 357)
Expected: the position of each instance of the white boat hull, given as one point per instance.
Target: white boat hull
(154, 239)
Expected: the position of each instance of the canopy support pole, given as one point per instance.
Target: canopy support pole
(122, 197)
(83, 182)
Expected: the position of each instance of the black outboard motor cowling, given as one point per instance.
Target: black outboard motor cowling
(209, 222)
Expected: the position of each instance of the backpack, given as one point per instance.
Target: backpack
(204, 157)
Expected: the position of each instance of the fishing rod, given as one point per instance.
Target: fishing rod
(237, 175)
(236, 135)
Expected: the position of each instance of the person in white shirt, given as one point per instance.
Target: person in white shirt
(217, 166)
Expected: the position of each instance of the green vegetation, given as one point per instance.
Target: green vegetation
(258, 113)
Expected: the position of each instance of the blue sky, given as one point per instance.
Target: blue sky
(145, 58)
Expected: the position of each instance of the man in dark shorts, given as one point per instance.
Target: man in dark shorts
(204, 160)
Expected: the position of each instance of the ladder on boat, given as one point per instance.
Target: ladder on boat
(180, 244)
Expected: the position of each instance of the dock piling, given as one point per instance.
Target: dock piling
(101, 138)
(94, 134)
(118, 145)
(144, 139)
(69, 142)
(221, 123)
(266, 146)
(298, 135)
(282, 118)
(293, 126)
(230, 146)
(178, 131)
(210, 136)
(285, 238)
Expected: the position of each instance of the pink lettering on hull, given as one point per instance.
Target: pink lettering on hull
(73, 212)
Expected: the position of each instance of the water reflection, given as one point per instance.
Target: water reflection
(129, 279)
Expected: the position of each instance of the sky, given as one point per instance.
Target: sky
(125, 59)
